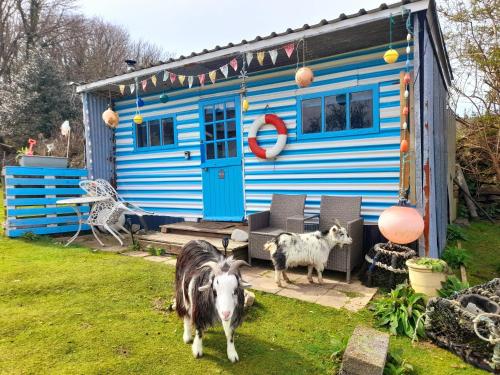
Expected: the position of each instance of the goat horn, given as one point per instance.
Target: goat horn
(236, 265)
(213, 265)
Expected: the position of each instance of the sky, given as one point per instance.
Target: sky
(185, 26)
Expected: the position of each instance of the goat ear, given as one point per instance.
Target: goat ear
(205, 287)
(245, 285)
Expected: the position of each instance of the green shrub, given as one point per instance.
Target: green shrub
(451, 286)
(436, 265)
(456, 257)
(455, 233)
(30, 236)
(396, 365)
(400, 311)
(157, 251)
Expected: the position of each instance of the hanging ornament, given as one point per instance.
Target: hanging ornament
(190, 81)
(260, 57)
(225, 70)
(212, 75)
(139, 102)
(274, 55)
(408, 37)
(406, 94)
(110, 118)
(391, 56)
(153, 80)
(304, 76)
(144, 84)
(164, 98)
(137, 119)
(245, 104)
(401, 224)
(122, 89)
(406, 78)
(405, 111)
(289, 49)
(234, 64)
(201, 78)
(181, 79)
(173, 77)
(405, 125)
(249, 57)
(404, 146)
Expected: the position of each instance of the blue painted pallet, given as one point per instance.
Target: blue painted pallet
(30, 195)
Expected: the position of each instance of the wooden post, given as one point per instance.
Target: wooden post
(463, 185)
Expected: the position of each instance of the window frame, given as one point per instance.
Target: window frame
(374, 88)
(161, 146)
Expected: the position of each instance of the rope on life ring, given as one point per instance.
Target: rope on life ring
(280, 143)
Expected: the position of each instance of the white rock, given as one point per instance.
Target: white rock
(239, 235)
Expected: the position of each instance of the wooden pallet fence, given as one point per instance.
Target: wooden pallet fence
(30, 196)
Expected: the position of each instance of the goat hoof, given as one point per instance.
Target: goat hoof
(197, 351)
(187, 339)
(233, 356)
(311, 281)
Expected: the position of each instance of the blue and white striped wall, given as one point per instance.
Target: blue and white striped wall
(365, 164)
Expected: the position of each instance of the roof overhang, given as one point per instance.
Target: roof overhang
(318, 33)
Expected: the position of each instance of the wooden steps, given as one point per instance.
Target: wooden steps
(172, 243)
(204, 229)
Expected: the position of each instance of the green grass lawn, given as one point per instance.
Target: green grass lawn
(73, 311)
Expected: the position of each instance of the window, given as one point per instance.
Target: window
(155, 133)
(220, 130)
(343, 112)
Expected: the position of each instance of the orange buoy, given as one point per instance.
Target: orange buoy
(401, 224)
(304, 76)
(404, 146)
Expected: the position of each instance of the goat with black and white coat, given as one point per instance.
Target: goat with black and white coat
(305, 249)
(209, 289)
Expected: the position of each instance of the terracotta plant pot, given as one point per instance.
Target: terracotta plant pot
(423, 279)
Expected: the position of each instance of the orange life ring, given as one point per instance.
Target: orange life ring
(280, 143)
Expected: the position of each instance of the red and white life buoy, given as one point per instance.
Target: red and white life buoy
(280, 143)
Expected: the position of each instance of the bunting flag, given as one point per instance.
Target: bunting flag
(260, 57)
(153, 79)
(144, 84)
(165, 76)
(225, 70)
(122, 89)
(132, 88)
(274, 55)
(201, 78)
(249, 57)
(234, 64)
(289, 48)
(181, 79)
(173, 77)
(212, 75)
(190, 81)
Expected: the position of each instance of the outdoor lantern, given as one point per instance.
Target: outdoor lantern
(391, 56)
(401, 224)
(110, 118)
(138, 119)
(304, 76)
(164, 98)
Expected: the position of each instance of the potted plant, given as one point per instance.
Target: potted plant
(427, 274)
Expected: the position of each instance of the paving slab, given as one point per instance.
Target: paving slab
(155, 258)
(332, 298)
(137, 254)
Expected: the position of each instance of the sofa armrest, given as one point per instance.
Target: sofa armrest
(355, 231)
(258, 220)
(295, 224)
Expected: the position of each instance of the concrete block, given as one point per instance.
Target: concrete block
(239, 235)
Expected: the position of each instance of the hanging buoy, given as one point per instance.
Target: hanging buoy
(110, 118)
(304, 76)
(407, 78)
(405, 111)
(164, 98)
(405, 125)
(408, 37)
(401, 224)
(406, 94)
(391, 56)
(138, 119)
(245, 105)
(404, 146)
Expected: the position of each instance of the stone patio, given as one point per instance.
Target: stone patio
(333, 293)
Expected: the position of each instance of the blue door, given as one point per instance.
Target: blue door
(221, 160)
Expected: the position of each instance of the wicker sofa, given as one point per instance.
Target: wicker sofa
(285, 215)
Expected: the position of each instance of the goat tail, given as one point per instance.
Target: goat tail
(270, 246)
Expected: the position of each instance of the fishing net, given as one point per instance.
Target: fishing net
(385, 265)
(449, 322)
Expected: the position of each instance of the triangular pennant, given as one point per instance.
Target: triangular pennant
(153, 79)
(225, 70)
(190, 81)
(165, 75)
(234, 64)
(144, 84)
(122, 89)
(181, 79)
(260, 57)
(132, 88)
(173, 77)
(213, 75)
(274, 55)
(249, 57)
(201, 78)
(289, 49)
